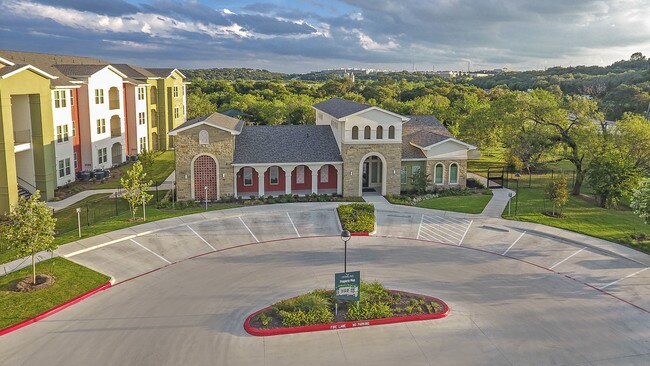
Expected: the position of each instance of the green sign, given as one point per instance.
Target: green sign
(347, 286)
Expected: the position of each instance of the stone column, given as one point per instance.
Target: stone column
(314, 178)
(260, 180)
(287, 179)
(339, 179)
(234, 185)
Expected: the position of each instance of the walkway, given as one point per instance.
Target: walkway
(498, 203)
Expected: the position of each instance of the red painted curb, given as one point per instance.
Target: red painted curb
(360, 234)
(54, 310)
(344, 325)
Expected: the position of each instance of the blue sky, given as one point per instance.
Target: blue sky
(300, 36)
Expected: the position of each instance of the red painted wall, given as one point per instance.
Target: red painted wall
(304, 186)
(275, 187)
(76, 139)
(331, 174)
(241, 188)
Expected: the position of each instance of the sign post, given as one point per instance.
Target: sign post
(347, 287)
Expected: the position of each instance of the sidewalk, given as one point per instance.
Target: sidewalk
(498, 203)
(59, 205)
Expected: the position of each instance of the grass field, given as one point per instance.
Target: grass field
(72, 280)
(473, 204)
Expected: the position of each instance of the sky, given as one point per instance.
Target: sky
(309, 35)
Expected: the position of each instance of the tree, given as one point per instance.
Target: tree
(136, 186)
(31, 228)
(612, 175)
(420, 181)
(632, 134)
(557, 192)
(640, 202)
(146, 158)
(198, 104)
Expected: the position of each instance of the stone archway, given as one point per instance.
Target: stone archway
(205, 173)
(372, 173)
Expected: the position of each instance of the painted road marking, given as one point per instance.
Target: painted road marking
(292, 224)
(200, 237)
(513, 243)
(151, 251)
(565, 259)
(447, 230)
(624, 278)
(443, 229)
(443, 220)
(247, 228)
(420, 227)
(434, 235)
(465, 234)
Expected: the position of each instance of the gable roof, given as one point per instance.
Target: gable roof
(8, 71)
(217, 120)
(286, 144)
(339, 108)
(423, 131)
(134, 72)
(164, 72)
(76, 71)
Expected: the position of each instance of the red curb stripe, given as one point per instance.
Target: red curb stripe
(54, 310)
(360, 234)
(344, 325)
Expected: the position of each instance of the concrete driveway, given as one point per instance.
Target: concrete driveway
(520, 294)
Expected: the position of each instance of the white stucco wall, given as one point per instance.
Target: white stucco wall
(373, 118)
(448, 150)
(62, 116)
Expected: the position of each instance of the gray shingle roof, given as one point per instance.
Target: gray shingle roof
(339, 108)
(47, 62)
(216, 119)
(286, 144)
(163, 72)
(79, 70)
(422, 131)
(134, 72)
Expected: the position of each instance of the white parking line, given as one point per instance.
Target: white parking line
(513, 243)
(200, 237)
(436, 237)
(294, 226)
(420, 227)
(249, 230)
(447, 231)
(463, 238)
(442, 220)
(151, 251)
(624, 278)
(563, 260)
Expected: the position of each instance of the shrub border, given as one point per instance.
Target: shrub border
(345, 325)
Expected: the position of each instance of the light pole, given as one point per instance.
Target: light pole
(345, 236)
(206, 198)
(144, 209)
(517, 175)
(79, 220)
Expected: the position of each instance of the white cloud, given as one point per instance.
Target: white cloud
(369, 44)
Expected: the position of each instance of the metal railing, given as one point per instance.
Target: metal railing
(25, 184)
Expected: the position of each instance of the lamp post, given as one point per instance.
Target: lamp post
(144, 209)
(79, 220)
(345, 236)
(517, 175)
(206, 198)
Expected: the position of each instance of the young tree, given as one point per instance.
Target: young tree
(136, 186)
(612, 175)
(420, 181)
(31, 228)
(146, 158)
(557, 192)
(640, 202)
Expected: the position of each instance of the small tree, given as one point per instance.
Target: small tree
(146, 158)
(420, 181)
(136, 186)
(640, 202)
(557, 192)
(31, 228)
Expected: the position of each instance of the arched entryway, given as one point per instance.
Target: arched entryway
(205, 173)
(116, 153)
(372, 174)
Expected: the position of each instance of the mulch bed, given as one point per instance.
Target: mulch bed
(26, 285)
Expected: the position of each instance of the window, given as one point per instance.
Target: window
(366, 133)
(71, 99)
(325, 174)
(273, 175)
(248, 176)
(402, 175)
(62, 133)
(300, 175)
(380, 133)
(143, 144)
(175, 91)
(142, 119)
(101, 126)
(415, 169)
(140, 93)
(64, 167)
(74, 129)
(76, 161)
(438, 174)
(176, 114)
(59, 99)
(99, 96)
(204, 137)
(355, 133)
(391, 132)
(102, 157)
(453, 173)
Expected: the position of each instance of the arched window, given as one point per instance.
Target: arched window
(453, 173)
(366, 133)
(355, 133)
(113, 98)
(380, 133)
(439, 170)
(391, 132)
(204, 137)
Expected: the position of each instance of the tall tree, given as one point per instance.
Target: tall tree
(31, 228)
(612, 175)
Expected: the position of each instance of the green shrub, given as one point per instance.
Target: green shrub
(357, 217)
(374, 292)
(366, 310)
(315, 300)
(299, 317)
(265, 319)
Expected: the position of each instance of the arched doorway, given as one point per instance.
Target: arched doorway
(372, 174)
(116, 153)
(205, 172)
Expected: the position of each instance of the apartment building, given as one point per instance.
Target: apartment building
(65, 114)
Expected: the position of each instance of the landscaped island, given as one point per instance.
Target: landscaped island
(357, 217)
(316, 311)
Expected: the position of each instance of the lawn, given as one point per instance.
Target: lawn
(472, 204)
(490, 158)
(72, 280)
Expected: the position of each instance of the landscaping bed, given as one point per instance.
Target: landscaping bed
(357, 217)
(315, 311)
(471, 201)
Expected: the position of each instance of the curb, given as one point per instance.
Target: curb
(54, 310)
(344, 325)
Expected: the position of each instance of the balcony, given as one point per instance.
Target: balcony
(22, 140)
(116, 127)
(113, 98)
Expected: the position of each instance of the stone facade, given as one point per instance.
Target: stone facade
(462, 173)
(221, 145)
(352, 155)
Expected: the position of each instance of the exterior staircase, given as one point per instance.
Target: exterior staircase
(22, 192)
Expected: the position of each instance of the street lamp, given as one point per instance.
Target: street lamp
(206, 198)
(79, 220)
(517, 176)
(345, 236)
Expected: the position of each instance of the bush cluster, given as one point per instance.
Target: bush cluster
(412, 198)
(308, 309)
(357, 217)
